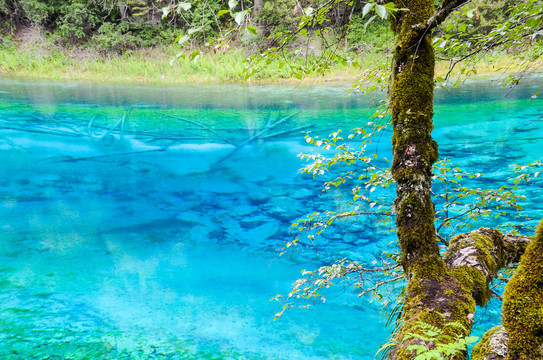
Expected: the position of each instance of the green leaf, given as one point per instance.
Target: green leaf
(165, 12)
(390, 6)
(367, 8)
(185, 5)
(239, 16)
(381, 11)
(369, 21)
(251, 29)
(232, 4)
(183, 39)
(471, 339)
(193, 30)
(195, 56)
(222, 12)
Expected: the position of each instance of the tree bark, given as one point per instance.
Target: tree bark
(493, 345)
(521, 336)
(411, 107)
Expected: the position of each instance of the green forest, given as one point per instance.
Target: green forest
(88, 37)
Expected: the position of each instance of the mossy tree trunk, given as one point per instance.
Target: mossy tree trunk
(411, 106)
(471, 262)
(440, 290)
(521, 336)
(523, 304)
(433, 295)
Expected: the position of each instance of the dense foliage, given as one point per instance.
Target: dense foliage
(115, 27)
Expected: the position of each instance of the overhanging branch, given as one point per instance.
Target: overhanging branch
(443, 11)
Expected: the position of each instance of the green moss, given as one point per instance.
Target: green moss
(485, 349)
(411, 103)
(523, 304)
(489, 249)
(437, 302)
(474, 282)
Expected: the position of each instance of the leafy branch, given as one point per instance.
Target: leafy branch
(309, 289)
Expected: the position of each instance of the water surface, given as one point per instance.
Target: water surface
(133, 230)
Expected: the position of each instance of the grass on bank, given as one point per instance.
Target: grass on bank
(153, 66)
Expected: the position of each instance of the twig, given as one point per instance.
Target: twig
(442, 239)
(379, 284)
(286, 132)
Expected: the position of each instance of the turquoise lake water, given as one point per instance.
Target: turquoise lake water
(128, 233)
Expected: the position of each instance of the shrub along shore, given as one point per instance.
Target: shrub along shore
(159, 66)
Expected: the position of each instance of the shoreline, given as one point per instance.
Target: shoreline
(153, 68)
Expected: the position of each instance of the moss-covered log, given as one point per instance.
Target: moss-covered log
(523, 304)
(471, 262)
(476, 257)
(493, 345)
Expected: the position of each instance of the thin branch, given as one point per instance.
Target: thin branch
(456, 217)
(443, 11)
(441, 238)
(379, 284)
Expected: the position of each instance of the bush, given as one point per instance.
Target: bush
(77, 21)
(277, 16)
(6, 42)
(35, 11)
(377, 35)
(116, 39)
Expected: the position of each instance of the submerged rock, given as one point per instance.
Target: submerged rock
(259, 198)
(251, 222)
(303, 194)
(284, 208)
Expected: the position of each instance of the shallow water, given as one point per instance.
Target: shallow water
(148, 238)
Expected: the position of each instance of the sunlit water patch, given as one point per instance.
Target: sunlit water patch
(136, 227)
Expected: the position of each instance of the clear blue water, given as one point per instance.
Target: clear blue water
(137, 242)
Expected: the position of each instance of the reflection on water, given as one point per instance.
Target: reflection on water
(134, 227)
